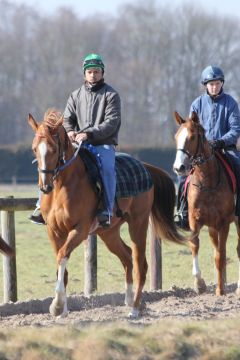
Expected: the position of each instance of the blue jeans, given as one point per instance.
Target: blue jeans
(107, 170)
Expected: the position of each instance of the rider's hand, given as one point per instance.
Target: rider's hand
(71, 135)
(81, 137)
(217, 144)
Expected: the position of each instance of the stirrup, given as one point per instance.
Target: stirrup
(104, 219)
(181, 222)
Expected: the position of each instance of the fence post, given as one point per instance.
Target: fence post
(90, 265)
(9, 264)
(155, 260)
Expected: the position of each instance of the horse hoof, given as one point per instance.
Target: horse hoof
(63, 315)
(56, 309)
(134, 314)
(200, 286)
(219, 292)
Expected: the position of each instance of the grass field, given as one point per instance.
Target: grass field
(36, 266)
(178, 340)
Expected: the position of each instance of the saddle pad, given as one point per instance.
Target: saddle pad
(132, 176)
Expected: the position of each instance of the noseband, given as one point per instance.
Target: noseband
(61, 155)
(62, 163)
(198, 158)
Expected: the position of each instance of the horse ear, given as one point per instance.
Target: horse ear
(32, 122)
(178, 118)
(194, 117)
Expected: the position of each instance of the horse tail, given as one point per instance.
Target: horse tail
(5, 248)
(162, 214)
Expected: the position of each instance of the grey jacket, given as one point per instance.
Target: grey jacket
(99, 109)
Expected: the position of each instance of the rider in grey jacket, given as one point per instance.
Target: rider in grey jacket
(95, 110)
(93, 116)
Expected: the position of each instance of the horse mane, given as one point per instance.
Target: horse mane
(52, 117)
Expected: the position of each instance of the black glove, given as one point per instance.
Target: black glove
(217, 144)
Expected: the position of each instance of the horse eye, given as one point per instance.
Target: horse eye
(193, 137)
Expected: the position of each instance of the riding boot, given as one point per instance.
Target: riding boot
(182, 207)
(37, 217)
(104, 218)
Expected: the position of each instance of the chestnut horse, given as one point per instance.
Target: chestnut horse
(210, 196)
(5, 249)
(69, 206)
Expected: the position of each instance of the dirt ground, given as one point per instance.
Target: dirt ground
(176, 303)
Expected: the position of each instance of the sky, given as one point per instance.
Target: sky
(88, 8)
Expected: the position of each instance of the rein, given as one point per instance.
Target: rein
(199, 159)
(61, 159)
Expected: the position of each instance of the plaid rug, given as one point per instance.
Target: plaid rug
(132, 177)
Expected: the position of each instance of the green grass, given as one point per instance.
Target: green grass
(36, 264)
(162, 341)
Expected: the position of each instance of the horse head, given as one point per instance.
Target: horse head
(49, 146)
(191, 144)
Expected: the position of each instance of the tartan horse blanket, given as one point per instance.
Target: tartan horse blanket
(131, 175)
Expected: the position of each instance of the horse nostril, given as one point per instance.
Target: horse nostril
(48, 188)
(182, 168)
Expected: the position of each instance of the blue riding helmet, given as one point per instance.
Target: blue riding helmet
(211, 73)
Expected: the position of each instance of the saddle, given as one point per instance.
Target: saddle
(132, 177)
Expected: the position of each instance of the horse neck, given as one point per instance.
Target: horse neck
(208, 171)
(76, 167)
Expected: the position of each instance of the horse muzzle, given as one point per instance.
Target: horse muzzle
(46, 189)
(182, 170)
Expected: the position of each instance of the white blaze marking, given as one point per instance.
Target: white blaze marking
(43, 151)
(180, 156)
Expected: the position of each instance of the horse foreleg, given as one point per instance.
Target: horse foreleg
(117, 246)
(220, 259)
(58, 306)
(199, 283)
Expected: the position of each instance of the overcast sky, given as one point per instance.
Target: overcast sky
(87, 8)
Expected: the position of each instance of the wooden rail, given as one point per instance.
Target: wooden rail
(9, 205)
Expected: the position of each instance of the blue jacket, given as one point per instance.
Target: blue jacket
(220, 117)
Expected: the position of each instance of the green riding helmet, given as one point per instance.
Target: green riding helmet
(93, 60)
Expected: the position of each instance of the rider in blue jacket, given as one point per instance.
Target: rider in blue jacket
(219, 115)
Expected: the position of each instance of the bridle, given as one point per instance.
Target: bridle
(62, 163)
(198, 158)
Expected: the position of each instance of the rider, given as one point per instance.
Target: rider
(95, 110)
(219, 115)
(96, 107)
